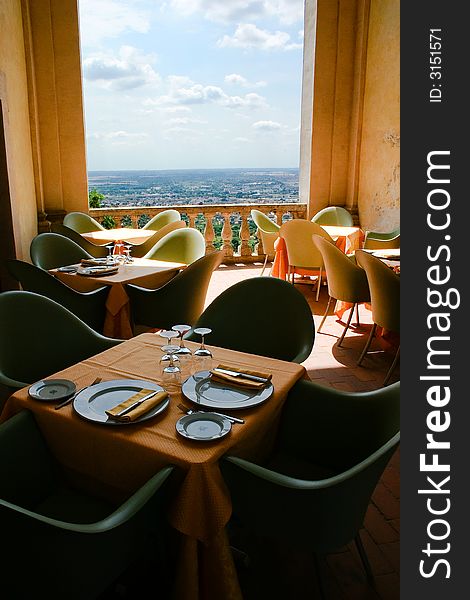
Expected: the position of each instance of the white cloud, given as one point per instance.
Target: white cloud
(101, 19)
(183, 91)
(130, 69)
(235, 11)
(242, 140)
(236, 79)
(267, 126)
(119, 138)
(248, 35)
(185, 121)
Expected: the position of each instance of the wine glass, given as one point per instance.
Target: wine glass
(169, 335)
(127, 250)
(182, 329)
(203, 351)
(171, 349)
(171, 373)
(110, 257)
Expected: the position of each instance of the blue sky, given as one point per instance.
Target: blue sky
(187, 84)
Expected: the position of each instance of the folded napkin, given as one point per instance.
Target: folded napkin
(93, 261)
(139, 410)
(239, 381)
(91, 272)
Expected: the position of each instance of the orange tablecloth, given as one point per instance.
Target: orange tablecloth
(120, 459)
(348, 239)
(143, 271)
(126, 234)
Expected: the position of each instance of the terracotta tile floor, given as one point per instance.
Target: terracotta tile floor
(342, 574)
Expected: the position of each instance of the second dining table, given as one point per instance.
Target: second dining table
(117, 459)
(124, 234)
(142, 271)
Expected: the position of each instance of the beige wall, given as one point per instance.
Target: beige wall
(379, 175)
(14, 94)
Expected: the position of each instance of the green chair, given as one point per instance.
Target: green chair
(314, 489)
(81, 222)
(269, 232)
(181, 300)
(51, 250)
(87, 306)
(162, 219)
(378, 241)
(346, 281)
(61, 542)
(93, 249)
(333, 215)
(384, 287)
(140, 250)
(261, 315)
(182, 246)
(39, 337)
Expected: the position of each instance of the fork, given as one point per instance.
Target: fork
(190, 411)
(72, 398)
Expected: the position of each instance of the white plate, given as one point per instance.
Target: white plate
(97, 271)
(203, 426)
(50, 390)
(92, 403)
(200, 389)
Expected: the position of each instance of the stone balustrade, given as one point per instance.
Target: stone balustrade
(226, 226)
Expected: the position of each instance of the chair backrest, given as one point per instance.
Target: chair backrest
(88, 306)
(139, 250)
(375, 240)
(162, 219)
(39, 337)
(81, 222)
(301, 250)
(261, 315)
(268, 230)
(333, 215)
(384, 287)
(346, 440)
(93, 249)
(181, 300)
(51, 250)
(183, 246)
(346, 281)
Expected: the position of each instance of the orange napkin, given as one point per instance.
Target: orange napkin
(239, 381)
(138, 411)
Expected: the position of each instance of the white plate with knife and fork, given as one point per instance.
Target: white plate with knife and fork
(93, 402)
(200, 389)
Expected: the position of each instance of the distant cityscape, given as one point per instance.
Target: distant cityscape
(198, 186)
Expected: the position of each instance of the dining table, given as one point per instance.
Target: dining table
(124, 234)
(117, 460)
(143, 272)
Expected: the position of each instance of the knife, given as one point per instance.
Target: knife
(244, 375)
(124, 411)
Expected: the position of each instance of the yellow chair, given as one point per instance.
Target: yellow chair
(182, 245)
(377, 241)
(158, 221)
(301, 251)
(346, 281)
(333, 215)
(81, 222)
(140, 250)
(384, 287)
(269, 232)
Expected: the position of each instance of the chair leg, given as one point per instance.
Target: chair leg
(319, 285)
(319, 579)
(364, 559)
(264, 265)
(390, 371)
(288, 275)
(347, 325)
(358, 323)
(368, 343)
(326, 314)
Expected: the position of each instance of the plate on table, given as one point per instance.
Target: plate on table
(387, 254)
(200, 389)
(93, 402)
(97, 271)
(203, 426)
(51, 390)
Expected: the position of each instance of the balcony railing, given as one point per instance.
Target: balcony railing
(226, 226)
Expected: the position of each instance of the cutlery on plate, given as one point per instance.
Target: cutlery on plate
(190, 411)
(72, 398)
(239, 374)
(137, 403)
